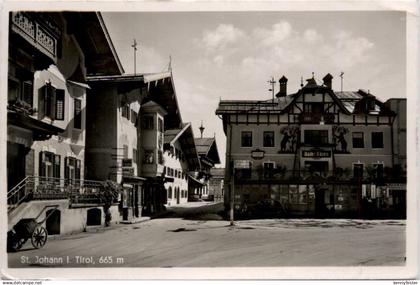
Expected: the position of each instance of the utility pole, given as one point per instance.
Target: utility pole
(272, 82)
(232, 198)
(134, 46)
(341, 76)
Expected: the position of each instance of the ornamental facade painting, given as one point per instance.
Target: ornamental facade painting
(289, 139)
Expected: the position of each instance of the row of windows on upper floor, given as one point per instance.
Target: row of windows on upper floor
(314, 137)
(147, 122)
(50, 166)
(51, 101)
(176, 173)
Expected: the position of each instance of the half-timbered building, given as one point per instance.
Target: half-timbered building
(317, 152)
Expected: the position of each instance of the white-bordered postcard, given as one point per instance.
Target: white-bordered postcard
(209, 140)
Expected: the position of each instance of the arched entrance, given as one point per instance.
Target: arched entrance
(94, 217)
(53, 222)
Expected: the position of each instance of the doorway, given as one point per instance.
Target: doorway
(320, 203)
(53, 222)
(16, 156)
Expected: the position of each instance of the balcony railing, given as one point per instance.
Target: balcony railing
(46, 188)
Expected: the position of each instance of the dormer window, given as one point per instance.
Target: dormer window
(313, 108)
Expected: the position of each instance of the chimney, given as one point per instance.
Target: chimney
(283, 87)
(328, 80)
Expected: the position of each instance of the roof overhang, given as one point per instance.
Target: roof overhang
(93, 38)
(41, 130)
(195, 181)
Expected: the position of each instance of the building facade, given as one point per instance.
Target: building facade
(209, 156)
(49, 59)
(317, 152)
(180, 158)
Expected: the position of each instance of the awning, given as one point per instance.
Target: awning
(133, 179)
(195, 180)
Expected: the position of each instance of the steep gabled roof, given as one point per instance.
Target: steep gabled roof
(185, 137)
(207, 147)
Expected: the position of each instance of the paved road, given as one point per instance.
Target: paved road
(177, 242)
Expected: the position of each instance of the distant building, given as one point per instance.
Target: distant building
(317, 152)
(216, 184)
(137, 139)
(209, 156)
(180, 158)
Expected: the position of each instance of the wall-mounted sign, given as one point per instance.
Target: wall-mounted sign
(257, 154)
(128, 171)
(127, 162)
(316, 153)
(242, 164)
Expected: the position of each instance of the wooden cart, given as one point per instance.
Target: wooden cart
(29, 229)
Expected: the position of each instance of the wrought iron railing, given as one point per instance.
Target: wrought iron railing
(44, 188)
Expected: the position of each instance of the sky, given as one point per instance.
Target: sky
(233, 55)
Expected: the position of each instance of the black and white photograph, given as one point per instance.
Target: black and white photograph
(223, 140)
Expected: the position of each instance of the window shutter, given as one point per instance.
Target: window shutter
(66, 168)
(78, 163)
(41, 102)
(59, 104)
(77, 172)
(57, 165)
(52, 102)
(42, 164)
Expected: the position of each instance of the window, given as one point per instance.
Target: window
(358, 170)
(46, 101)
(246, 139)
(51, 103)
(377, 140)
(49, 164)
(268, 139)
(134, 155)
(316, 108)
(72, 169)
(59, 104)
(148, 123)
(244, 173)
(125, 110)
(268, 169)
(77, 114)
(379, 171)
(160, 157)
(134, 117)
(316, 137)
(149, 157)
(20, 90)
(160, 125)
(170, 192)
(358, 140)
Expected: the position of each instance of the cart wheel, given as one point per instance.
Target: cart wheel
(39, 237)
